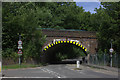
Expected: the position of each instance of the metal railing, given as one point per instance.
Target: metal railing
(104, 59)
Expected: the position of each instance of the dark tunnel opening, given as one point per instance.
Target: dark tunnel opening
(64, 54)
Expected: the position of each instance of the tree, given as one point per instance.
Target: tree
(21, 18)
(109, 27)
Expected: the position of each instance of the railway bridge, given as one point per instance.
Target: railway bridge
(86, 40)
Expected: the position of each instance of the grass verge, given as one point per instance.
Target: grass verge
(17, 66)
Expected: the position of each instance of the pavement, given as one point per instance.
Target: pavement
(95, 70)
(103, 67)
(60, 71)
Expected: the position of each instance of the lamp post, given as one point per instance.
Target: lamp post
(111, 42)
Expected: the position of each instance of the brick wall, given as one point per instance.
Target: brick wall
(87, 38)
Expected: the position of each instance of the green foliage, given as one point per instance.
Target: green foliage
(17, 66)
(25, 18)
(108, 27)
(21, 18)
(100, 51)
(10, 54)
(78, 52)
(61, 56)
(68, 51)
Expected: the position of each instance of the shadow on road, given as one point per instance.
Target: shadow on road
(64, 62)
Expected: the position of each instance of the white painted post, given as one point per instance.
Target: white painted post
(111, 50)
(19, 60)
(78, 64)
(111, 60)
(104, 59)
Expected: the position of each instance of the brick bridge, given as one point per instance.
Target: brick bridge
(86, 40)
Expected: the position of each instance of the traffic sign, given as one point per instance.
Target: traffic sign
(19, 46)
(111, 50)
(19, 52)
(19, 42)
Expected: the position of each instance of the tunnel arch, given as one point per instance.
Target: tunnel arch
(74, 42)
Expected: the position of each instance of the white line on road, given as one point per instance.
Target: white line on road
(53, 73)
(26, 77)
(75, 70)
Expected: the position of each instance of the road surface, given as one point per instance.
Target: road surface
(60, 71)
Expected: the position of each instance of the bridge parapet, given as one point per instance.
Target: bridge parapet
(86, 38)
(67, 33)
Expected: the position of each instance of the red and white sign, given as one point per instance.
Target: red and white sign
(20, 51)
(111, 50)
(19, 42)
(19, 46)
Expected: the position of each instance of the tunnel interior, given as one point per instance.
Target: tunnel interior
(64, 53)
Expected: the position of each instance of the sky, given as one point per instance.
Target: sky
(89, 6)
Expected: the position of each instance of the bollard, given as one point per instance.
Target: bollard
(78, 64)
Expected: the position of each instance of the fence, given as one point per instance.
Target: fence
(104, 59)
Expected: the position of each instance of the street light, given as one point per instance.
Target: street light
(111, 42)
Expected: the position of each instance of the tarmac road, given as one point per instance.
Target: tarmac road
(59, 71)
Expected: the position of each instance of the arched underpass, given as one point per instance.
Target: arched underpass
(64, 53)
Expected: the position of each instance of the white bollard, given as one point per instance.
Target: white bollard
(78, 64)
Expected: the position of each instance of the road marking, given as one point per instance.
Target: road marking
(53, 73)
(26, 77)
(79, 71)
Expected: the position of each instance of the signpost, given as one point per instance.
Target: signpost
(19, 52)
(111, 51)
(20, 47)
(19, 42)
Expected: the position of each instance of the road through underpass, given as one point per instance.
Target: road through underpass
(60, 71)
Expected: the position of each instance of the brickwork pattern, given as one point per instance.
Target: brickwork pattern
(87, 38)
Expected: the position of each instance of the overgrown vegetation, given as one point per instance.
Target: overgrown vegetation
(25, 18)
(68, 52)
(16, 66)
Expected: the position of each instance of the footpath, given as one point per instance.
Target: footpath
(107, 68)
(102, 67)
